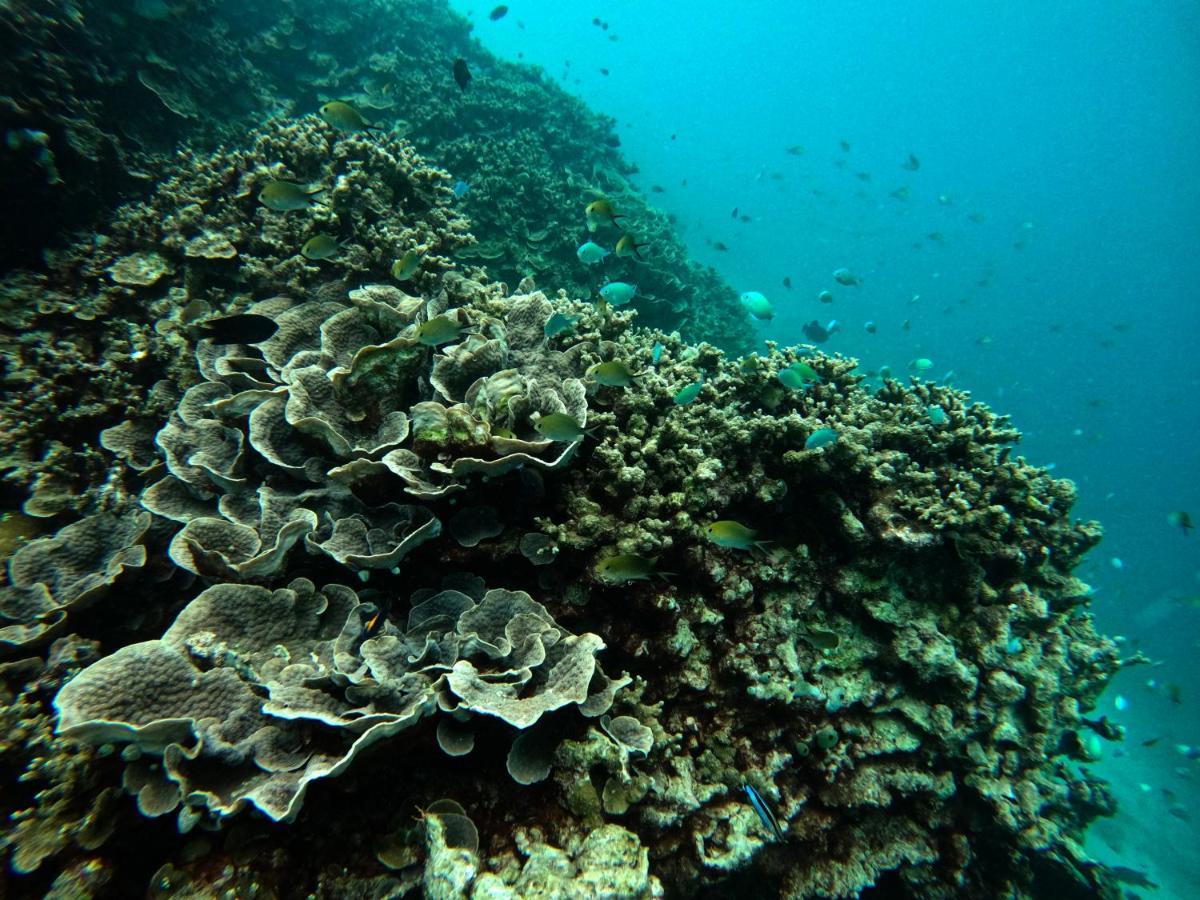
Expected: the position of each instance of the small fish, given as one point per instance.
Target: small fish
(560, 427)
(558, 323)
(733, 215)
(285, 196)
(798, 375)
(498, 13)
(462, 75)
(375, 623)
(744, 218)
(921, 364)
(344, 117)
(247, 328)
(406, 266)
(1181, 520)
(656, 353)
(720, 245)
(869, 327)
(600, 212)
(1150, 742)
(590, 253)
(657, 189)
(822, 437)
(757, 305)
(787, 282)
(795, 150)
(1174, 693)
(627, 245)
(686, 395)
(764, 812)
(912, 164)
(901, 193)
(845, 145)
(977, 218)
(438, 330)
(863, 176)
(937, 415)
(612, 374)
(818, 333)
(626, 567)
(733, 535)
(846, 277)
(321, 246)
(825, 297)
(618, 293)
(1120, 703)
(460, 188)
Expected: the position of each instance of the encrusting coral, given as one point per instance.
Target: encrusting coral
(365, 564)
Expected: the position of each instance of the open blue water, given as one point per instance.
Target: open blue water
(1048, 254)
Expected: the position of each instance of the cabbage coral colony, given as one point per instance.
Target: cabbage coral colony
(409, 570)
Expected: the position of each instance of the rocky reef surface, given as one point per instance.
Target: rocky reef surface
(420, 593)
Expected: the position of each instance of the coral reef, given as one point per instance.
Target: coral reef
(365, 565)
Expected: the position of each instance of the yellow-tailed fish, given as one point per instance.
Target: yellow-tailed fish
(733, 535)
(439, 330)
(560, 427)
(628, 245)
(406, 266)
(600, 212)
(285, 196)
(321, 246)
(344, 117)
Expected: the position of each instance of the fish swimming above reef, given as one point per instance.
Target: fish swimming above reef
(627, 245)
(912, 163)
(590, 253)
(321, 246)
(560, 427)
(344, 117)
(286, 196)
(439, 330)
(822, 437)
(626, 567)
(460, 188)
(733, 535)
(613, 374)
(618, 293)
(462, 75)
(764, 812)
(797, 376)
(846, 277)
(1181, 520)
(818, 333)
(688, 393)
(600, 212)
(720, 245)
(787, 282)
(246, 328)
(757, 306)
(498, 13)
(406, 266)
(558, 323)
(825, 297)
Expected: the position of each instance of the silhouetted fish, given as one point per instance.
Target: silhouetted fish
(498, 13)
(462, 74)
(247, 328)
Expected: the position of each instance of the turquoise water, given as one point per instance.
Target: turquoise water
(1071, 133)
